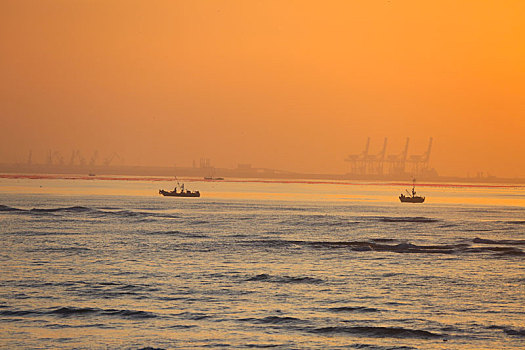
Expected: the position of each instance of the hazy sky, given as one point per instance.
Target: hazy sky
(294, 85)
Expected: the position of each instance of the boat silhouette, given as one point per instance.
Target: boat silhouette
(411, 197)
(183, 192)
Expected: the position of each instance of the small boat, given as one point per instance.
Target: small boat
(411, 197)
(182, 193)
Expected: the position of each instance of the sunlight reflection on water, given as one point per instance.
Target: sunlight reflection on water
(274, 190)
(111, 264)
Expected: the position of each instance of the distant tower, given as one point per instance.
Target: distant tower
(359, 162)
(397, 162)
(420, 163)
(205, 163)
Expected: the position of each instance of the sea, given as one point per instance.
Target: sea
(108, 263)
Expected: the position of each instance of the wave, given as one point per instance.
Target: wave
(69, 311)
(420, 219)
(328, 220)
(46, 210)
(195, 316)
(7, 208)
(74, 311)
(510, 331)
(121, 213)
(99, 213)
(133, 214)
(502, 241)
(511, 251)
(177, 233)
(516, 222)
(262, 346)
(66, 326)
(263, 277)
(109, 290)
(448, 225)
(75, 209)
(379, 347)
(401, 248)
(379, 332)
(391, 274)
(44, 233)
(337, 223)
(66, 249)
(274, 320)
(16, 312)
(199, 222)
(353, 309)
(369, 246)
(318, 220)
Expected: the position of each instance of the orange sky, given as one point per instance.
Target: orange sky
(292, 85)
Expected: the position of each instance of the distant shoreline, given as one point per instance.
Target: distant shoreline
(239, 173)
(349, 182)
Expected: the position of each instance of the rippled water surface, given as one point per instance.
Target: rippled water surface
(110, 264)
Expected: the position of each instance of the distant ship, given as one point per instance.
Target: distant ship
(411, 197)
(182, 193)
(211, 178)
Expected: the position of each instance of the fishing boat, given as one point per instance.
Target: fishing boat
(182, 193)
(411, 197)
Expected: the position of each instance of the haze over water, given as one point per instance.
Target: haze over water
(111, 264)
(330, 89)
(280, 84)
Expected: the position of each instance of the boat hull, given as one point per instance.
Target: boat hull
(179, 194)
(416, 199)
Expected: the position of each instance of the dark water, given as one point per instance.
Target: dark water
(245, 271)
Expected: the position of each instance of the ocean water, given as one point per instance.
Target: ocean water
(110, 264)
